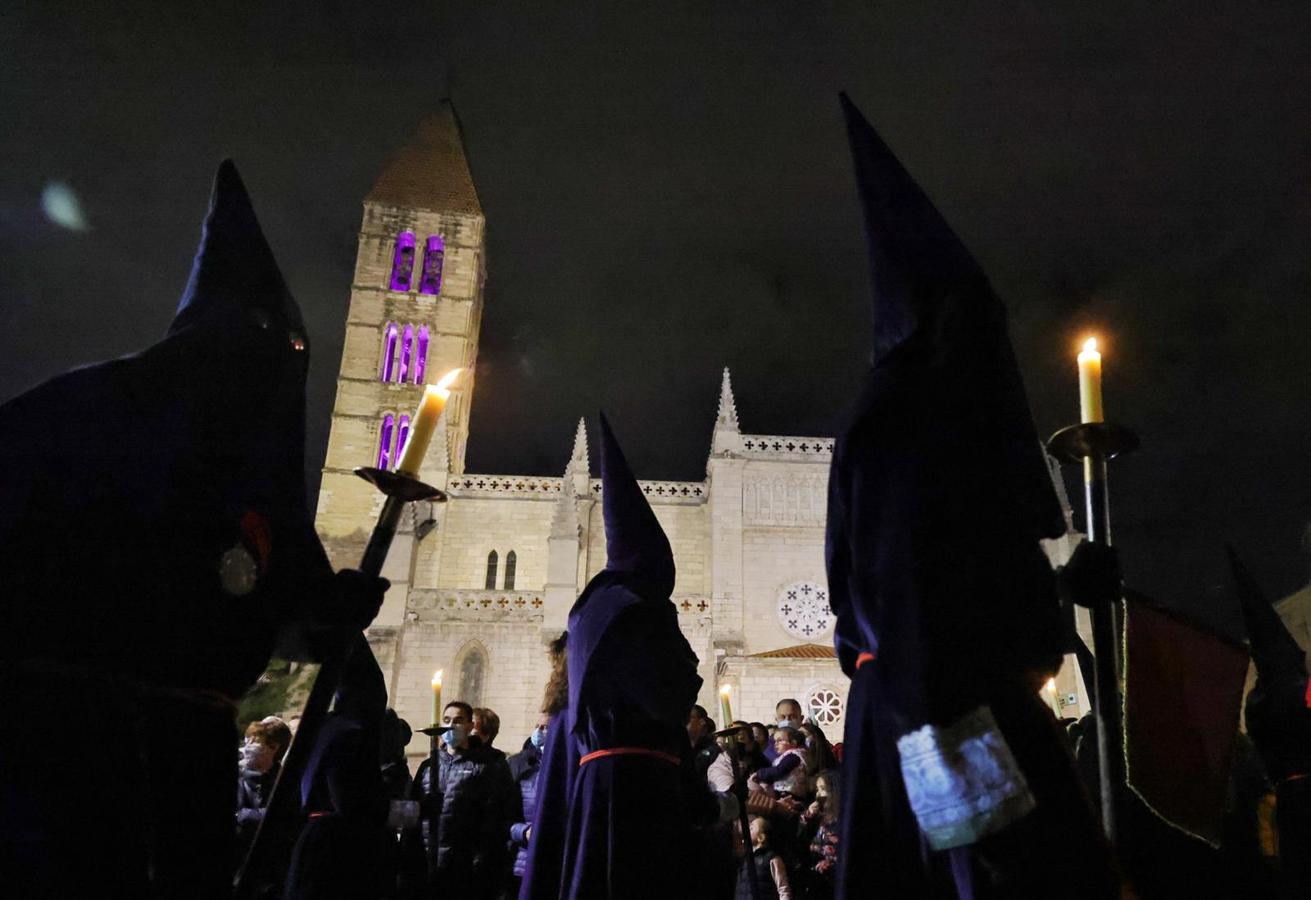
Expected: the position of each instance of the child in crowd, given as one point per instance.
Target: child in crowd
(787, 776)
(771, 873)
(819, 828)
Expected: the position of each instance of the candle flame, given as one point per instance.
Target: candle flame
(437, 678)
(1050, 685)
(443, 387)
(726, 690)
(1090, 345)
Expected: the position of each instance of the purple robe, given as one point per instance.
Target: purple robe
(632, 678)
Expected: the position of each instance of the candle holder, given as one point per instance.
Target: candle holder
(399, 489)
(1094, 444)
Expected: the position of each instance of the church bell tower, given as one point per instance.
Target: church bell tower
(416, 303)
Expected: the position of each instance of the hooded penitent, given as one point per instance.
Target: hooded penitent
(1278, 710)
(632, 681)
(153, 520)
(938, 497)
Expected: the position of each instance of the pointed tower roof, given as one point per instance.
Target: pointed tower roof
(430, 171)
(726, 417)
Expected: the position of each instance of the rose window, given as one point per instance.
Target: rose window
(803, 610)
(824, 705)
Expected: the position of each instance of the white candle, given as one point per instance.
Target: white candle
(1090, 382)
(725, 709)
(437, 697)
(424, 424)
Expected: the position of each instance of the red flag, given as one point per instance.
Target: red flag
(1183, 693)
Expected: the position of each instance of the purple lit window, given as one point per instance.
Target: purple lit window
(407, 353)
(402, 264)
(434, 253)
(402, 432)
(421, 355)
(389, 353)
(384, 442)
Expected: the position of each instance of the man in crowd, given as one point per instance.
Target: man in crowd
(465, 821)
(486, 726)
(524, 769)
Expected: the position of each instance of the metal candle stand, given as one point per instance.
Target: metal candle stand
(1094, 444)
(744, 819)
(284, 802)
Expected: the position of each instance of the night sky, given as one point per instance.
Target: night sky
(667, 191)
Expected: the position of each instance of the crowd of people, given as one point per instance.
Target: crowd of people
(473, 823)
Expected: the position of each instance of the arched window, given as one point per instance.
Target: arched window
(407, 353)
(389, 352)
(473, 669)
(421, 355)
(434, 254)
(384, 442)
(402, 432)
(490, 583)
(510, 561)
(402, 263)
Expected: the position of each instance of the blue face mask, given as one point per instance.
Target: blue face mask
(538, 737)
(453, 736)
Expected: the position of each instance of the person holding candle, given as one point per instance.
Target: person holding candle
(156, 546)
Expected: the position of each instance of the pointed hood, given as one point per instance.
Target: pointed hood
(933, 302)
(634, 541)
(917, 263)
(234, 277)
(941, 435)
(1276, 654)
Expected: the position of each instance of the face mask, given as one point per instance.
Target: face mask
(537, 738)
(453, 736)
(784, 723)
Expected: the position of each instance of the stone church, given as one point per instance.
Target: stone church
(482, 582)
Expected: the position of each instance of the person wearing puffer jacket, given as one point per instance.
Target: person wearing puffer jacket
(524, 768)
(468, 807)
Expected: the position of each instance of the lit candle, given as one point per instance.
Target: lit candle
(1050, 688)
(424, 423)
(437, 697)
(725, 708)
(1090, 382)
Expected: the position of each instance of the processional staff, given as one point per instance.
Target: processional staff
(281, 817)
(1094, 442)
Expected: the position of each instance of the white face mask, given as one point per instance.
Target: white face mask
(784, 723)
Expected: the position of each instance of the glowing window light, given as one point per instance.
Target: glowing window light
(402, 265)
(402, 432)
(389, 352)
(384, 442)
(434, 255)
(421, 355)
(407, 353)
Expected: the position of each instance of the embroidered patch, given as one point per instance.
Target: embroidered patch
(237, 571)
(962, 780)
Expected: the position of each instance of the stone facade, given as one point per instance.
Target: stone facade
(748, 540)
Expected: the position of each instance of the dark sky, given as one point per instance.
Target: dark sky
(667, 191)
